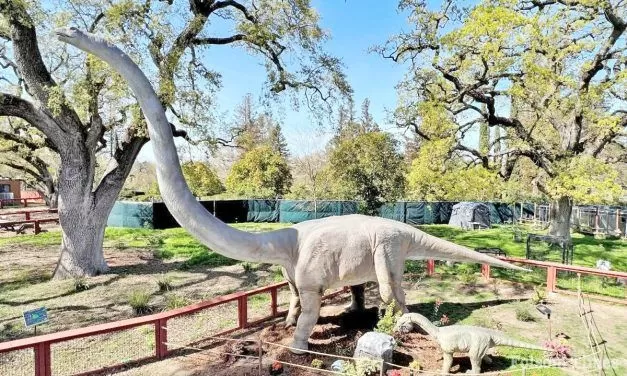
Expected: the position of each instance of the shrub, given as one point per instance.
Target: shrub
(81, 284)
(155, 241)
(387, 321)
(138, 300)
(165, 283)
(559, 349)
(523, 314)
(174, 301)
(361, 367)
(415, 365)
(317, 363)
(539, 296)
(120, 245)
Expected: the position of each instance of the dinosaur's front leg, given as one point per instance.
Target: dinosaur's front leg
(294, 310)
(358, 300)
(310, 302)
(447, 363)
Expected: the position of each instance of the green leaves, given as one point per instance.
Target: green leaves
(202, 179)
(368, 167)
(260, 173)
(587, 180)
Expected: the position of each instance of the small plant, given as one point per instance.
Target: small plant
(361, 367)
(523, 314)
(436, 308)
(387, 321)
(174, 301)
(414, 366)
(120, 245)
(466, 274)
(138, 300)
(249, 266)
(558, 349)
(317, 363)
(155, 241)
(81, 284)
(444, 320)
(539, 296)
(276, 368)
(165, 283)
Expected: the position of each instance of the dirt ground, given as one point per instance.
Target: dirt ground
(24, 285)
(337, 332)
(25, 270)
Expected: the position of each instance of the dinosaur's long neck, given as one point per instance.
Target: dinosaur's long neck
(273, 247)
(424, 323)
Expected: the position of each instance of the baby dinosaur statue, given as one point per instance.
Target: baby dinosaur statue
(474, 340)
(315, 255)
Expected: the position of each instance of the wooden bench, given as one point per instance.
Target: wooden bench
(23, 225)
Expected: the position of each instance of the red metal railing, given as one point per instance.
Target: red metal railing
(551, 270)
(28, 213)
(41, 345)
(23, 201)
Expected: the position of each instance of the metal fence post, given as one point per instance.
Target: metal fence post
(43, 365)
(273, 296)
(161, 338)
(485, 271)
(430, 267)
(551, 277)
(242, 311)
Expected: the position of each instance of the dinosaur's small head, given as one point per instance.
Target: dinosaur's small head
(77, 38)
(403, 326)
(67, 34)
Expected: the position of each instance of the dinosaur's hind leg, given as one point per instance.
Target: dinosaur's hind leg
(310, 302)
(476, 355)
(389, 277)
(357, 299)
(294, 310)
(447, 363)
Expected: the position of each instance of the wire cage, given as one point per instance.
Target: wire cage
(549, 248)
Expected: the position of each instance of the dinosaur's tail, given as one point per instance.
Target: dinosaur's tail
(502, 340)
(430, 247)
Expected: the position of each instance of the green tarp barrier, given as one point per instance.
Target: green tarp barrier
(292, 211)
(131, 214)
(263, 211)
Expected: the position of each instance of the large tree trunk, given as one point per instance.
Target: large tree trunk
(560, 212)
(81, 246)
(83, 214)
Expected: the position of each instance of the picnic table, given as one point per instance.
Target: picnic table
(23, 225)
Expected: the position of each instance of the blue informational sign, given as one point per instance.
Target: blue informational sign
(35, 316)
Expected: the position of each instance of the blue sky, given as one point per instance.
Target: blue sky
(355, 26)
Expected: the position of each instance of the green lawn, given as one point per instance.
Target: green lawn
(587, 250)
(177, 243)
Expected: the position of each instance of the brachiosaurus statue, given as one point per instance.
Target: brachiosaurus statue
(315, 255)
(474, 340)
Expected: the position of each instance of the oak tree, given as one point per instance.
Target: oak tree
(82, 109)
(551, 75)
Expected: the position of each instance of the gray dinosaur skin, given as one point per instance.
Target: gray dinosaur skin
(315, 255)
(474, 340)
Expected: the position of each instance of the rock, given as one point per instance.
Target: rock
(337, 366)
(373, 345)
